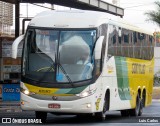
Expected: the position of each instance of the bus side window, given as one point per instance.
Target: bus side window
(130, 44)
(111, 41)
(114, 40)
(119, 31)
(136, 47)
(140, 46)
(144, 52)
(125, 42)
(152, 46)
(148, 47)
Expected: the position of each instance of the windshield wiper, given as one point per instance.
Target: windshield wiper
(62, 69)
(65, 73)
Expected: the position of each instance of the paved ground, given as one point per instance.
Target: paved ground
(113, 118)
(156, 92)
(10, 107)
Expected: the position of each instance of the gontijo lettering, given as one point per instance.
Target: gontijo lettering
(138, 68)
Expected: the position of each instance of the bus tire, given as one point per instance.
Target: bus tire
(101, 116)
(136, 110)
(143, 98)
(124, 113)
(41, 115)
(141, 108)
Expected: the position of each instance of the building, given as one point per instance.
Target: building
(6, 18)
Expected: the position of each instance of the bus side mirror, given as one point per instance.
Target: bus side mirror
(98, 47)
(15, 46)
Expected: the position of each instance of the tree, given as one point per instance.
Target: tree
(154, 16)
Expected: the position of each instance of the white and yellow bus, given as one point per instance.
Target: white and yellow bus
(83, 62)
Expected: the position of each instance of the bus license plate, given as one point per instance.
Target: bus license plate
(56, 106)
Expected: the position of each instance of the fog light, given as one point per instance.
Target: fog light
(26, 92)
(88, 105)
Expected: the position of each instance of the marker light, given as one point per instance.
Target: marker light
(22, 102)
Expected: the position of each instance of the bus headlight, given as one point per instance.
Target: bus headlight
(86, 93)
(27, 92)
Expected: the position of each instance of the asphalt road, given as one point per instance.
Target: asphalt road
(151, 116)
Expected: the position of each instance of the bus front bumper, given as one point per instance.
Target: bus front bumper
(83, 105)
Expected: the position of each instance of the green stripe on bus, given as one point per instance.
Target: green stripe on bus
(63, 91)
(125, 78)
(119, 77)
(77, 90)
(70, 90)
(122, 78)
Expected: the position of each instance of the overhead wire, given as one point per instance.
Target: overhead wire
(42, 6)
(138, 5)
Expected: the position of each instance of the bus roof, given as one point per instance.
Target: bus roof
(79, 19)
(124, 24)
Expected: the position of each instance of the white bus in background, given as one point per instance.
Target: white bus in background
(82, 62)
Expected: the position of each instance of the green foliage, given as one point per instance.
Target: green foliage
(154, 16)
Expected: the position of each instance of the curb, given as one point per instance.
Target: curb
(10, 107)
(9, 103)
(10, 110)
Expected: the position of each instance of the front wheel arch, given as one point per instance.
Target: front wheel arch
(107, 97)
(101, 115)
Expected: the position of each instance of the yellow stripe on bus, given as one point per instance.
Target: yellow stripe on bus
(41, 90)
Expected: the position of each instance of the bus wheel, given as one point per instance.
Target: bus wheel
(101, 116)
(141, 108)
(137, 109)
(42, 116)
(124, 113)
(143, 98)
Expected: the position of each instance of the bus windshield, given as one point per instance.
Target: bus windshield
(54, 55)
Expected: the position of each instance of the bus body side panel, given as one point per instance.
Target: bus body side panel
(141, 75)
(123, 77)
(110, 82)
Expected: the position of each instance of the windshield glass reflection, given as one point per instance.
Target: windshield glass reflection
(50, 55)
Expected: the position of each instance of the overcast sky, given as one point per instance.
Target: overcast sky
(134, 11)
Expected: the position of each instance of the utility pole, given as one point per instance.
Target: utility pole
(17, 10)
